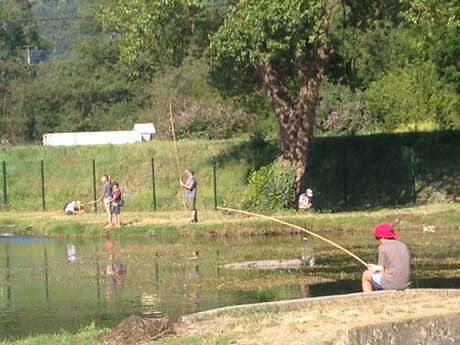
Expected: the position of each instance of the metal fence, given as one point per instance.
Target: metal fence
(38, 176)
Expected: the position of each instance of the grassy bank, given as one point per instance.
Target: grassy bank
(346, 173)
(68, 173)
(215, 223)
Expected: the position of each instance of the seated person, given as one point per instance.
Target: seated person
(73, 207)
(306, 201)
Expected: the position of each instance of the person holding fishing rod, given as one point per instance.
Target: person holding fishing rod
(394, 260)
(189, 188)
(106, 197)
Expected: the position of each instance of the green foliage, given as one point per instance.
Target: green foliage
(60, 33)
(271, 188)
(372, 53)
(412, 96)
(85, 336)
(155, 34)
(211, 122)
(341, 111)
(85, 91)
(17, 29)
(263, 31)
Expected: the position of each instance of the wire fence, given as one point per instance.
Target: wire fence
(146, 185)
(345, 173)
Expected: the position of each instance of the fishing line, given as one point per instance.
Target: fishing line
(298, 228)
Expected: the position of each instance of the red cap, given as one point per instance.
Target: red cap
(385, 230)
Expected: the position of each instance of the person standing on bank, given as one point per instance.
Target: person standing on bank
(394, 261)
(106, 197)
(189, 188)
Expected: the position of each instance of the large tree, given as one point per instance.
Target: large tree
(286, 47)
(289, 45)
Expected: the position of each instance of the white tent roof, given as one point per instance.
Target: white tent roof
(145, 128)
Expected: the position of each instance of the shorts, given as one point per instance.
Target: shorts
(116, 209)
(107, 204)
(191, 204)
(376, 281)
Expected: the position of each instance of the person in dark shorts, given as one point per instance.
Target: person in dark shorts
(116, 203)
(189, 188)
(394, 263)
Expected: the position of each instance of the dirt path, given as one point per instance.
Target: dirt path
(317, 320)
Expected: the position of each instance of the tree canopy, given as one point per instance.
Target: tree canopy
(329, 67)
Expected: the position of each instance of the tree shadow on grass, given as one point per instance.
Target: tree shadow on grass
(254, 154)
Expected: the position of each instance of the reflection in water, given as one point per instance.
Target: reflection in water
(71, 253)
(304, 291)
(8, 275)
(115, 274)
(47, 293)
(90, 283)
(151, 305)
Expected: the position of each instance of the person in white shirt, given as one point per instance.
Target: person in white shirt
(306, 201)
(73, 207)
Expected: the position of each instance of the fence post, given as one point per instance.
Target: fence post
(214, 180)
(412, 171)
(345, 177)
(94, 185)
(154, 199)
(42, 170)
(5, 197)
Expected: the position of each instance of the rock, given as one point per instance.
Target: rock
(267, 264)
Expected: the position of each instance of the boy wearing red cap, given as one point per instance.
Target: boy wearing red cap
(393, 269)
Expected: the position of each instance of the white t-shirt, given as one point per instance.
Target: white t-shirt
(304, 201)
(70, 207)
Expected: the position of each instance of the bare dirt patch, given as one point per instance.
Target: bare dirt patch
(136, 330)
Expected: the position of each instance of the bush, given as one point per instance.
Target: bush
(341, 111)
(271, 188)
(208, 122)
(407, 98)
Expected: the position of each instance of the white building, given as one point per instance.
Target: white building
(141, 132)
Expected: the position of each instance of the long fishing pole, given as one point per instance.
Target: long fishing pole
(175, 149)
(298, 228)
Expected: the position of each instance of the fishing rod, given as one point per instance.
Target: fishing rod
(175, 149)
(298, 228)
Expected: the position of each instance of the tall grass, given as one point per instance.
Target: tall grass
(68, 173)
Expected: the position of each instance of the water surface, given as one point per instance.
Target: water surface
(48, 285)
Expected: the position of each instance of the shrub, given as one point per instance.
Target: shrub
(208, 122)
(271, 188)
(341, 111)
(409, 97)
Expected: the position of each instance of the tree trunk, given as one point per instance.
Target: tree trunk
(296, 117)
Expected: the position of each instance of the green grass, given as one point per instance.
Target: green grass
(86, 336)
(91, 338)
(68, 173)
(346, 173)
(214, 223)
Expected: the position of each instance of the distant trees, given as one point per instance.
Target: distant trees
(18, 32)
(329, 67)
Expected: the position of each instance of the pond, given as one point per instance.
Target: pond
(47, 285)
